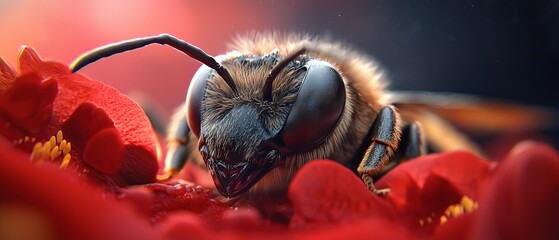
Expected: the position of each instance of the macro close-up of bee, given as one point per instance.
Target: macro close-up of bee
(274, 102)
(264, 119)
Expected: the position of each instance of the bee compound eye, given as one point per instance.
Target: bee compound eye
(317, 109)
(195, 96)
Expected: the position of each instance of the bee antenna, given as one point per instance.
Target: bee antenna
(267, 90)
(163, 39)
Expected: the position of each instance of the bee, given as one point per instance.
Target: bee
(258, 113)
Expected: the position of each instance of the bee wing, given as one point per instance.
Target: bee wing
(440, 114)
(477, 114)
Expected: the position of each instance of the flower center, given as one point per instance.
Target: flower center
(55, 148)
(466, 205)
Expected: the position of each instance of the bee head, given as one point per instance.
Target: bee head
(275, 113)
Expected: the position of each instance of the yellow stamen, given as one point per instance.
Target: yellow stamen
(62, 145)
(37, 146)
(52, 141)
(456, 210)
(468, 203)
(59, 136)
(45, 150)
(35, 152)
(26, 139)
(52, 149)
(65, 161)
(67, 148)
(421, 222)
(54, 153)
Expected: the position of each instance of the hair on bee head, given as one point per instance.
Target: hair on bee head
(267, 90)
(163, 39)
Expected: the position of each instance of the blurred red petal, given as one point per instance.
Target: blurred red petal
(140, 198)
(456, 228)
(522, 200)
(326, 192)
(243, 218)
(184, 225)
(159, 199)
(366, 228)
(72, 209)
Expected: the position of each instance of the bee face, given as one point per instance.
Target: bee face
(242, 135)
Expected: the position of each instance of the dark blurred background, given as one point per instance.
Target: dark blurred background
(493, 48)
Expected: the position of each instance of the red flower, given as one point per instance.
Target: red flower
(109, 136)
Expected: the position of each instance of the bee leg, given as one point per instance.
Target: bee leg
(412, 144)
(385, 137)
(178, 146)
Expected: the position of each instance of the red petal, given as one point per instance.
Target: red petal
(49, 91)
(7, 75)
(71, 209)
(140, 165)
(522, 200)
(28, 102)
(326, 192)
(437, 194)
(39, 120)
(86, 121)
(184, 225)
(446, 176)
(367, 228)
(22, 99)
(157, 200)
(105, 151)
(457, 228)
(28, 60)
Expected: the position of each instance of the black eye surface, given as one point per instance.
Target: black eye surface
(195, 96)
(317, 108)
